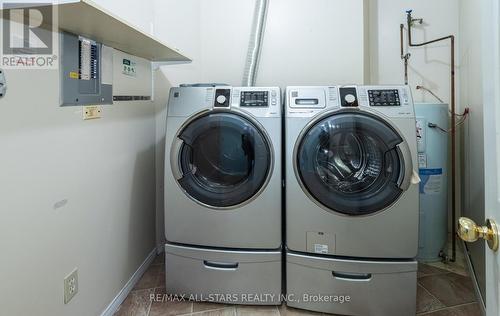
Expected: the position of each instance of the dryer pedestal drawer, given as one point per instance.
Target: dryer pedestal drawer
(231, 277)
(351, 287)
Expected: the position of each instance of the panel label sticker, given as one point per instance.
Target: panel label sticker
(85, 58)
(129, 68)
(420, 135)
(318, 248)
(422, 160)
(431, 181)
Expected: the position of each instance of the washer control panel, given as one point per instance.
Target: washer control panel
(307, 101)
(254, 99)
(385, 97)
(259, 101)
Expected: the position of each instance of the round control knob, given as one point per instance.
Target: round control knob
(221, 99)
(350, 99)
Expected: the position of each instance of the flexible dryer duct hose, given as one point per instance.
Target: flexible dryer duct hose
(255, 45)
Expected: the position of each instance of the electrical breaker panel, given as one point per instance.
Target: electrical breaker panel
(86, 71)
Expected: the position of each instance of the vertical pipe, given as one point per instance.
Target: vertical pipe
(401, 27)
(453, 153)
(404, 56)
(255, 45)
(409, 21)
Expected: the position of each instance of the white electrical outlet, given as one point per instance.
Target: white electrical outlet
(70, 286)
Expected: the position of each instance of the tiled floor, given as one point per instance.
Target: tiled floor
(444, 293)
(439, 293)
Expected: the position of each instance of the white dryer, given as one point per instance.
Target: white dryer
(351, 202)
(222, 191)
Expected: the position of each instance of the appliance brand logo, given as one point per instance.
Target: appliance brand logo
(29, 35)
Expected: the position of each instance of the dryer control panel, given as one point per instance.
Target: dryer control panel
(393, 101)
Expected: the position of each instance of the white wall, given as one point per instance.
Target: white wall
(316, 42)
(138, 13)
(309, 42)
(471, 95)
(428, 66)
(73, 193)
(306, 42)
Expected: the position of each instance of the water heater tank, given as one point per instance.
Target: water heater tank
(432, 145)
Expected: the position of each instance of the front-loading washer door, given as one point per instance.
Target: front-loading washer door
(224, 159)
(350, 163)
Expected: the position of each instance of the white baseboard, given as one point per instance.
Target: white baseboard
(160, 248)
(122, 295)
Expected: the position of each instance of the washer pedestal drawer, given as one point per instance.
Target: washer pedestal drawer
(351, 287)
(224, 276)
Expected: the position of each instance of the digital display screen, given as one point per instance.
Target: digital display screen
(384, 97)
(254, 98)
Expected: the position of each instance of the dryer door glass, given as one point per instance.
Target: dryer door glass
(225, 159)
(349, 162)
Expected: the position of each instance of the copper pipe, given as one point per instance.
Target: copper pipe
(404, 56)
(409, 21)
(418, 87)
(401, 29)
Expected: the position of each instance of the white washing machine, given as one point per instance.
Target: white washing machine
(352, 198)
(222, 192)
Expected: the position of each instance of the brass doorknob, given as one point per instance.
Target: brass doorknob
(468, 231)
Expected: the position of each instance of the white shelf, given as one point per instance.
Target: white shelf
(86, 18)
